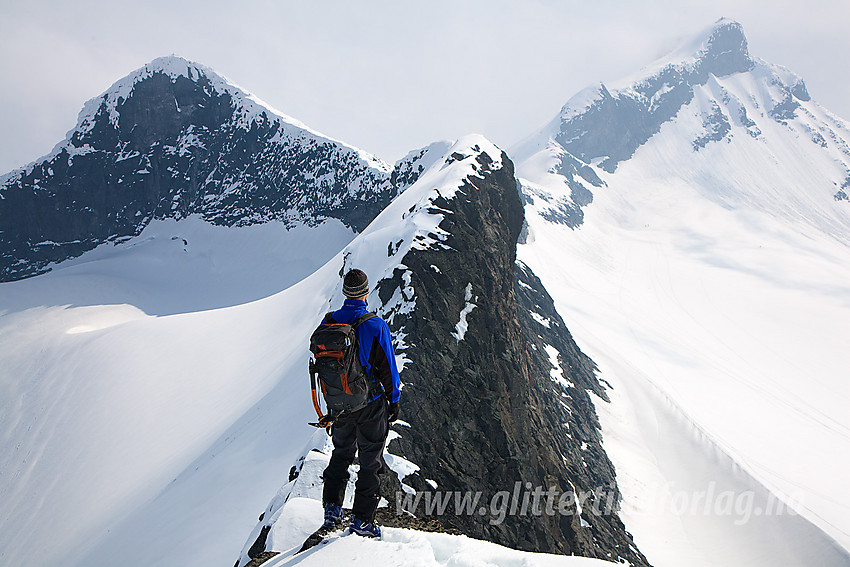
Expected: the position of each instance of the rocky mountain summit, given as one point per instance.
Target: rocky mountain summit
(707, 91)
(175, 139)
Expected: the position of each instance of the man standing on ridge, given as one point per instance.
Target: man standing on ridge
(364, 429)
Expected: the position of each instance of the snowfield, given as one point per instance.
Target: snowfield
(150, 437)
(712, 286)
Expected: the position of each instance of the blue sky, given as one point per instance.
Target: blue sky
(386, 76)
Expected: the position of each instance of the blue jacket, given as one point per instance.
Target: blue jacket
(375, 345)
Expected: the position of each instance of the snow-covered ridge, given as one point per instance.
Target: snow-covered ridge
(459, 160)
(412, 221)
(390, 250)
(296, 512)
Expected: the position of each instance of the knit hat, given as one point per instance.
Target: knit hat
(355, 284)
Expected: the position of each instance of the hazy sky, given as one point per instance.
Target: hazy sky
(386, 76)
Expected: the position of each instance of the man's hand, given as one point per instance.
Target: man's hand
(392, 412)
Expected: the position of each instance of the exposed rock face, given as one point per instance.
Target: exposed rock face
(606, 126)
(617, 123)
(490, 409)
(496, 395)
(171, 140)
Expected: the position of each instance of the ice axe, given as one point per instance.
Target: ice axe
(325, 421)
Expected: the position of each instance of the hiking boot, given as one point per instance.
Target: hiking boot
(333, 515)
(365, 529)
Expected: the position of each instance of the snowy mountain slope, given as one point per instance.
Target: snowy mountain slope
(704, 266)
(175, 139)
(181, 266)
(155, 435)
(105, 407)
(711, 92)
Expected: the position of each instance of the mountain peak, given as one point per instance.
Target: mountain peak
(177, 68)
(172, 66)
(176, 65)
(174, 139)
(723, 30)
(720, 49)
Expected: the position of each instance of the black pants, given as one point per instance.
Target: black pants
(364, 431)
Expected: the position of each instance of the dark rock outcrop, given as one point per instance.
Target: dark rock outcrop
(617, 123)
(485, 411)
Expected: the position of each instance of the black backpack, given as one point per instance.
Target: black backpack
(336, 362)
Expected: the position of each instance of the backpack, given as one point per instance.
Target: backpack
(336, 362)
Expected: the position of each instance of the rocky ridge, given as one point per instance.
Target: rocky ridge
(497, 392)
(497, 396)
